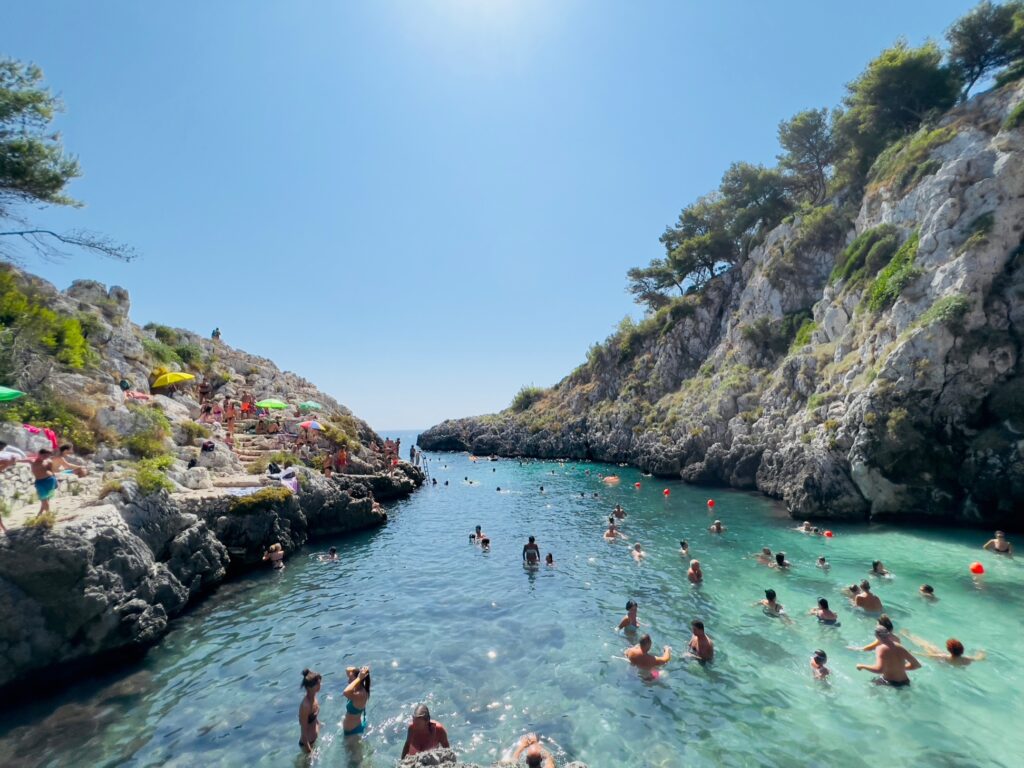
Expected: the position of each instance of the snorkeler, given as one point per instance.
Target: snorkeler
(892, 661)
(701, 646)
(640, 655)
(825, 614)
(866, 600)
(629, 622)
(999, 545)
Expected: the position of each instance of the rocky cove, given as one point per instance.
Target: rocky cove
(861, 366)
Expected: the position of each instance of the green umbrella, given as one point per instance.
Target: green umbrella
(310, 405)
(6, 393)
(275, 405)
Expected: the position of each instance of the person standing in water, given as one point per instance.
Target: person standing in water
(999, 545)
(818, 661)
(531, 552)
(424, 734)
(309, 711)
(612, 533)
(684, 549)
(717, 527)
(695, 574)
(764, 557)
(630, 623)
(824, 613)
(638, 552)
(640, 655)
(892, 661)
(358, 694)
(866, 600)
(701, 646)
(550, 559)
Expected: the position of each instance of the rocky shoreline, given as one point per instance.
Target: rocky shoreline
(108, 584)
(862, 363)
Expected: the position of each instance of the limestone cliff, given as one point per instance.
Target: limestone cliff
(873, 371)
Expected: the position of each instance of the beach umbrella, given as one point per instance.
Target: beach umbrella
(171, 378)
(311, 425)
(272, 404)
(6, 393)
(310, 405)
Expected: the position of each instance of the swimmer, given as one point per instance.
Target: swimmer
(927, 591)
(717, 527)
(885, 623)
(358, 694)
(851, 591)
(424, 734)
(480, 535)
(485, 544)
(309, 711)
(771, 606)
(954, 651)
(892, 661)
(536, 755)
(701, 646)
(640, 655)
(825, 614)
(866, 600)
(619, 512)
(684, 548)
(780, 561)
(499, 489)
(332, 554)
(472, 538)
(805, 527)
(638, 552)
(818, 660)
(764, 557)
(999, 545)
(531, 552)
(629, 622)
(878, 569)
(275, 556)
(549, 560)
(542, 487)
(822, 563)
(612, 533)
(695, 575)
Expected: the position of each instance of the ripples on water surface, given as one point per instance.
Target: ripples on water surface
(497, 650)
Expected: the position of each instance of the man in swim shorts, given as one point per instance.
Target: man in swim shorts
(640, 655)
(424, 734)
(999, 545)
(63, 463)
(892, 661)
(701, 647)
(536, 755)
(531, 552)
(45, 482)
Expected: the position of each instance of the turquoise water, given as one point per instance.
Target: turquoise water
(497, 650)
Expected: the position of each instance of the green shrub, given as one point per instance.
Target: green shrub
(978, 232)
(1016, 117)
(341, 429)
(149, 474)
(948, 310)
(190, 354)
(109, 487)
(46, 520)
(895, 277)
(526, 397)
(194, 430)
(819, 399)
(775, 336)
(262, 500)
(804, 333)
(160, 352)
(47, 412)
(163, 333)
(821, 228)
(880, 242)
(151, 431)
(281, 458)
(904, 163)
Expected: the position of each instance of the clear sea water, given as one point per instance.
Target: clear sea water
(497, 650)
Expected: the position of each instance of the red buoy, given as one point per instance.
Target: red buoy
(636, 485)
(828, 534)
(667, 492)
(711, 503)
(977, 569)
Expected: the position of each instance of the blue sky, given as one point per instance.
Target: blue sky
(420, 206)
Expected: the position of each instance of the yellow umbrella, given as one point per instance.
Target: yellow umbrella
(171, 378)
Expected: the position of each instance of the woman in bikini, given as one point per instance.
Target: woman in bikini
(358, 694)
(309, 711)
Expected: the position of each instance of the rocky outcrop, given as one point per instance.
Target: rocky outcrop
(849, 381)
(448, 758)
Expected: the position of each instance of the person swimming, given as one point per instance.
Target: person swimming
(866, 600)
(717, 527)
(619, 513)
(630, 623)
(764, 557)
(358, 694)
(770, 605)
(612, 533)
(309, 711)
(878, 569)
(536, 755)
(549, 559)
(954, 651)
(818, 660)
(999, 545)
(684, 548)
(780, 561)
(701, 647)
(485, 544)
(805, 527)
(638, 552)
(825, 614)
(695, 574)
(927, 591)
(823, 563)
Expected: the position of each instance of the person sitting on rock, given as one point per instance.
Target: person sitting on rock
(61, 462)
(536, 755)
(424, 734)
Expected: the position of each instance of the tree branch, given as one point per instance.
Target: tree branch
(39, 240)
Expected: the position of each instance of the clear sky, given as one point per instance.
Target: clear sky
(420, 206)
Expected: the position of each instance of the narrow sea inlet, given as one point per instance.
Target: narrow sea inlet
(497, 650)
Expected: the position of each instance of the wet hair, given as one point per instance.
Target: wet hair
(820, 656)
(332, 551)
(485, 541)
(770, 594)
(854, 589)
(928, 589)
(630, 604)
(1000, 533)
(472, 537)
(697, 624)
(421, 711)
(532, 540)
(682, 543)
(821, 558)
(310, 679)
(955, 647)
(885, 621)
(534, 759)
(780, 558)
(875, 564)
(478, 528)
(645, 639)
(865, 585)
(766, 550)
(823, 603)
